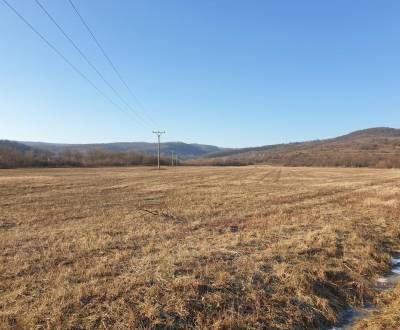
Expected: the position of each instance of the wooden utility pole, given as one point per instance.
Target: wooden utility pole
(172, 158)
(158, 133)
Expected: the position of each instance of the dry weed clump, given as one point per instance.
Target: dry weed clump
(388, 314)
(251, 247)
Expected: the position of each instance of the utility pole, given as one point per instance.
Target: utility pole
(172, 158)
(158, 133)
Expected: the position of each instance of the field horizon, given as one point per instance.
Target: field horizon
(377, 147)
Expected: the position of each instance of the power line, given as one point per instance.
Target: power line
(158, 133)
(110, 62)
(88, 61)
(65, 59)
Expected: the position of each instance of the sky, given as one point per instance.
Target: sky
(222, 72)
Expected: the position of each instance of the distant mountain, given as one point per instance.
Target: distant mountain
(373, 147)
(14, 146)
(183, 150)
(15, 154)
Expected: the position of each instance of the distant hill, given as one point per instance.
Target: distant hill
(15, 154)
(15, 146)
(183, 150)
(374, 147)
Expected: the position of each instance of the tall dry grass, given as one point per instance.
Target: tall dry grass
(387, 316)
(250, 247)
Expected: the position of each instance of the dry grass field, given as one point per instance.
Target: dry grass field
(205, 248)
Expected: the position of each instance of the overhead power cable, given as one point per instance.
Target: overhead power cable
(110, 62)
(83, 55)
(65, 59)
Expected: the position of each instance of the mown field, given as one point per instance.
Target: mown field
(255, 247)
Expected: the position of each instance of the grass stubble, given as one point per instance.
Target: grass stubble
(255, 247)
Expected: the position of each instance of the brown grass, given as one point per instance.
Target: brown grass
(249, 247)
(388, 314)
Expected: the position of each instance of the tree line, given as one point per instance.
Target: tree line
(15, 158)
(338, 159)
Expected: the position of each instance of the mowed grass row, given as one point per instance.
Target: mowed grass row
(189, 247)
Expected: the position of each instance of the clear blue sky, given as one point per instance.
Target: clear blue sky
(230, 73)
